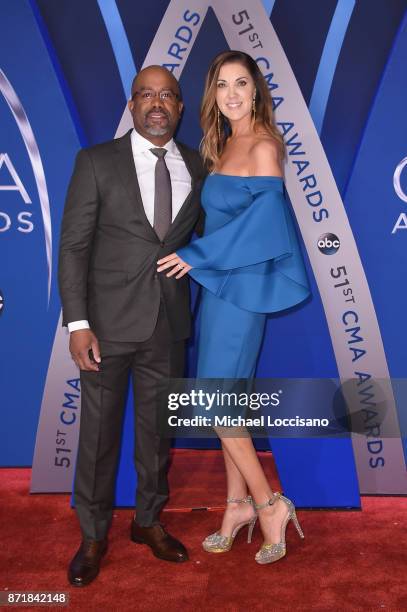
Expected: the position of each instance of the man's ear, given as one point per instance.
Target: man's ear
(130, 105)
(180, 107)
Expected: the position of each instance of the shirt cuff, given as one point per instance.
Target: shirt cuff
(76, 325)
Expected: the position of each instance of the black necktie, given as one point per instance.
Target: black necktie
(162, 195)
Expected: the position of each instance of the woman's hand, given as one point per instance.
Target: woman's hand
(179, 267)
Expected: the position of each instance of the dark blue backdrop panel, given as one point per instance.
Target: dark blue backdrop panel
(306, 30)
(141, 21)
(317, 472)
(80, 40)
(28, 322)
(377, 210)
(361, 62)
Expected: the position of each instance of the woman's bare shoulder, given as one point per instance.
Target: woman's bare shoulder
(265, 157)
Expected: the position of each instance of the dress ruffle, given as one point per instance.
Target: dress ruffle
(253, 260)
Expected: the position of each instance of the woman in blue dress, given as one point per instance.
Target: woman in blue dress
(249, 264)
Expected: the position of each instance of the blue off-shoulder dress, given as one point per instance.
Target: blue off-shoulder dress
(249, 263)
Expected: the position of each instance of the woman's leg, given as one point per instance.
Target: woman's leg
(236, 489)
(229, 344)
(243, 457)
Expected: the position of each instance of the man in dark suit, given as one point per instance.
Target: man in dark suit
(130, 202)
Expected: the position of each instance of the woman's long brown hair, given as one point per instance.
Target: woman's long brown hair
(212, 145)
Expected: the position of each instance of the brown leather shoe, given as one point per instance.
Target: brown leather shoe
(84, 567)
(163, 545)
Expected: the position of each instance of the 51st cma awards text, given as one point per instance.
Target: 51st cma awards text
(239, 421)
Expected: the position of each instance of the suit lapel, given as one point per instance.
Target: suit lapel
(187, 200)
(128, 174)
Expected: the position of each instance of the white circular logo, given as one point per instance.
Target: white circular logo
(328, 244)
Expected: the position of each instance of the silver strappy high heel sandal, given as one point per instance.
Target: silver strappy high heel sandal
(269, 553)
(217, 543)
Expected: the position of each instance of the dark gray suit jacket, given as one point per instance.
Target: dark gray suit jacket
(108, 249)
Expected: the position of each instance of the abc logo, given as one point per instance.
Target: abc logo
(1, 303)
(328, 244)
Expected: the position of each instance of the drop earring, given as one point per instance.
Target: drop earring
(218, 122)
(254, 109)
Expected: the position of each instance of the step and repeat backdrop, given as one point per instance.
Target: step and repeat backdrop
(336, 70)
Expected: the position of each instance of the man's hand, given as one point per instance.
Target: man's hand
(80, 343)
(179, 267)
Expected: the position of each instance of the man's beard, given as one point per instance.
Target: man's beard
(154, 130)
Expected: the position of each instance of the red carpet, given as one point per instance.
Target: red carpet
(349, 560)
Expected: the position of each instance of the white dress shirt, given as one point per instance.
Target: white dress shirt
(145, 162)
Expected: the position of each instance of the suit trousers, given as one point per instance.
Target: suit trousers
(102, 409)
